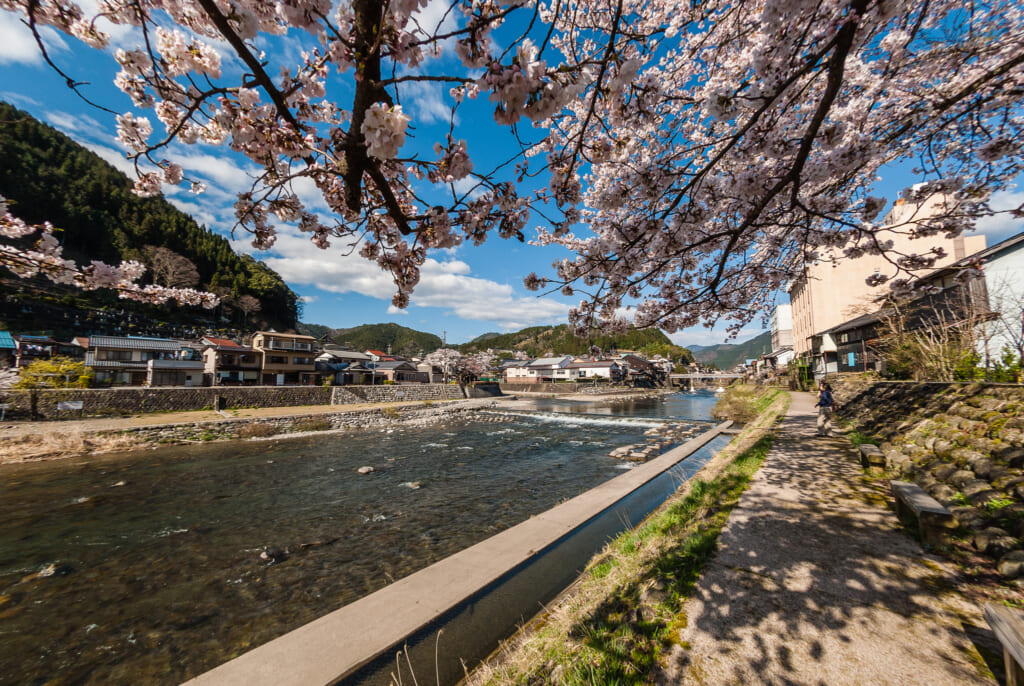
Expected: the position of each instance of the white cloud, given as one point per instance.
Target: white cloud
(394, 310)
(220, 170)
(114, 157)
(439, 16)
(78, 125)
(308, 299)
(446, 285)
(18, 45)
(1001, 226)
(425, 102)
(19, 99)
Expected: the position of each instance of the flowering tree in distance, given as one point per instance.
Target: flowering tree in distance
(450, 362)
(692, 156)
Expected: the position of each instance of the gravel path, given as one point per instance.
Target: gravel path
(815, 583)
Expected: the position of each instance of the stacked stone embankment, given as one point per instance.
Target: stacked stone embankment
(963, 444)
(104, 402)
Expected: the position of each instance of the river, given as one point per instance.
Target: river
(150, 566)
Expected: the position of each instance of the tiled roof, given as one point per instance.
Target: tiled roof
(133, 343)
(222, 342)
(6, 341)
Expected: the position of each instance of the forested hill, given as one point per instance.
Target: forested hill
(728, 355)
(401, 340)
(51, 178)
(537, 341)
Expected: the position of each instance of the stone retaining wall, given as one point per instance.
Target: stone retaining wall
(122, 401)
(962, 443)
(100, 402)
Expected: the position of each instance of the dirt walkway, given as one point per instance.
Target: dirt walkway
(815, 583)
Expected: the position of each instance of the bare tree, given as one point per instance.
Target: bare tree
(249, 305)
(934, 338)
(170, 268)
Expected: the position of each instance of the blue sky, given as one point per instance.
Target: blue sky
(463, 293)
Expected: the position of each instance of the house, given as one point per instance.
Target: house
(344, 367)
(28, 349)
(227, 363)
(599, 369)
(397, 371)
(141, 360)
(833, 290)
(433, 372)
(513, 370)
(7, 348)
(639, 369)
(945, 297)
(542, 369)
(288, 359)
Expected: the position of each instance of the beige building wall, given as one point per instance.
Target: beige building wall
(831, 293)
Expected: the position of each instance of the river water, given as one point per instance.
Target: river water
(147, 567)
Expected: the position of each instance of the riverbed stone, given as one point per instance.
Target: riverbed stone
(366, 470)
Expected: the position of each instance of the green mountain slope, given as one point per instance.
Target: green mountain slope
(537, 341)
(400, 340)
(728, 355)
(52, 178)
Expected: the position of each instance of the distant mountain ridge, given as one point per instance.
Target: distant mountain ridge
(399, 339)
(534, 341)
(537, 341)
(728, 355)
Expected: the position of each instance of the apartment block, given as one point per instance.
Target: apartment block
(833, 291)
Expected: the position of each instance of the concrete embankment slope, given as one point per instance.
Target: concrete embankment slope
(814, 583)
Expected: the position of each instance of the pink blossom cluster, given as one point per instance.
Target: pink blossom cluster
(45, 258)
(696, 155)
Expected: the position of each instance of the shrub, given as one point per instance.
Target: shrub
(256, 431)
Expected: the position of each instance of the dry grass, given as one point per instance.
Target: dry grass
(311, 424)
(58, 444)
(744, 402)
(612, 624)
(257, 430)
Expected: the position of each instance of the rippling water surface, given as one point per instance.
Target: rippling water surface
(145, 567)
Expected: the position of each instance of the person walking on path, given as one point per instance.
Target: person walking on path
(813, 583)
(824, 406)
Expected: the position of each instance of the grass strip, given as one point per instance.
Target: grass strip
(625, 612)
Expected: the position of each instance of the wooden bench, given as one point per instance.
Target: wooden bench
(1008, 625)
(914, 506)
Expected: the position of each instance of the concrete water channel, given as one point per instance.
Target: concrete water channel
(151, 568)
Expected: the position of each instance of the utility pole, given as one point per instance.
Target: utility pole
(444, 339)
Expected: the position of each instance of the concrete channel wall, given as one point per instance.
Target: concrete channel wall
(337, 645)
